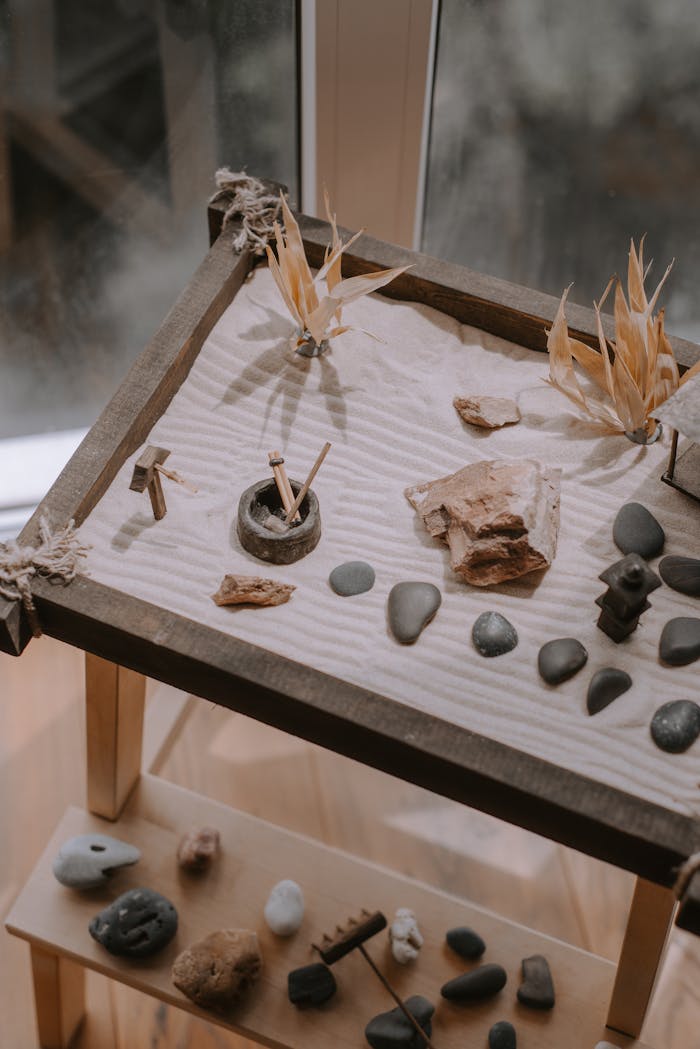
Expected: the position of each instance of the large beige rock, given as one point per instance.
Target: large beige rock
(216, 971)
(500, 518)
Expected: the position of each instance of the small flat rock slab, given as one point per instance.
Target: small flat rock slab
(680, 641)
(560, 659)
(89, 860)
(537, 990)
(393, 1031)
(681, 574)
(410, 607)
(251, 590)
(636, 531)
(493, 635)
(483, 982)
(675, 726)
(465, 942)
(198, 848)
(502, 1036)
(311, 985)
(215, 971)
(605, 686)
(138, 923)
(488, 412)
(352, 577)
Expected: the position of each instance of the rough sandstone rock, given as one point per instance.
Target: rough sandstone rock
(216, 971)
(251, 590)
(488, 412)
(198, 848)
(500, 518)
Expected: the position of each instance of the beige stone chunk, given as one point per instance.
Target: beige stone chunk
(198, 848)
(488, 412)
(216, 971)
(500, 518)
(251, 590)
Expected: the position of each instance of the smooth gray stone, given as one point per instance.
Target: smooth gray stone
(474, 986)
(681, 574)
(310, 985)
(89, 860)
(352, 577)
(537, 990)
(393, 1031)
(410, 607)
(502, 1036)
(560, 659)
(138, 923)
(636, 531)
(465, 942)
(680, 641)
(605, 686)
(493, 635)
(675, 726)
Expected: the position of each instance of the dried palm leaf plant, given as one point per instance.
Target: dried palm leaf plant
(632, 374)
(318, 315)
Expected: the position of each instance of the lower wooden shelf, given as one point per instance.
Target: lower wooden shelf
(255, 855)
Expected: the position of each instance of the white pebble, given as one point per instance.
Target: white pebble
(284, 909)
(405, 936)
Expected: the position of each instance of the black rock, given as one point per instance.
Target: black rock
(474, 986)
(465, 942)
(537, 990)
(502, 1036)
(136, 924)
(681, 574)
(676, 725)
(311, 985)
(636, 531)
(393, 1031)
(410, 608)
(353, 577)
(680, 641)
(493, 635)
(560, 659)
(606, 685)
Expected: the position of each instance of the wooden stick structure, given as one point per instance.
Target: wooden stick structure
(352, 937)
(176, 477)
(307, 483)
(147, 470)
(282, 482)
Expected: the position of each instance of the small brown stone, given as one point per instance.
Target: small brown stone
(251, 590)
(216, 971)
(488, 412)
(198, 848)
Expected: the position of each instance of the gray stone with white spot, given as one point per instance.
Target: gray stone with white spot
(676, 725)
(493, 635)
(138, 923)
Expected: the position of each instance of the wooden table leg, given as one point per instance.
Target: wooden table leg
(648, 924)
(59, 994)
(114, 716)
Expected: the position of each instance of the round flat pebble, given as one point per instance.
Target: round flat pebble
(353, 577)
(636, 531)
(493, 635)
(605, 686)
(393, 1031)
(465, 942)
(536, 990)
(560, 659)
(410, 608)
(89, 860)
(311, 985)
(680, 641)
(138, 923)
(676, 725)
(475, 985)
(502, 1036)
(681, 574)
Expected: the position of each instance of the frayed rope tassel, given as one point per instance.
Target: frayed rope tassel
(249, 201)
(57, 557)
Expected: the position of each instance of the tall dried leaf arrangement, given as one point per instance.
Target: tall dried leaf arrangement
(318, 316)
(634, 373)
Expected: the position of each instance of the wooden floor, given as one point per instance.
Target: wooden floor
(289, 782)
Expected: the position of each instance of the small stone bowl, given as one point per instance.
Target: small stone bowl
(263, 498)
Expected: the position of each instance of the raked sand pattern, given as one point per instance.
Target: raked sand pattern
(387, 409)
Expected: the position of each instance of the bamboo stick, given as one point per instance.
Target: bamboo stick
(282, 482)
(307, 483)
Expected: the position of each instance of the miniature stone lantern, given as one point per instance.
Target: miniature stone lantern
(682, 412)
(629, 581)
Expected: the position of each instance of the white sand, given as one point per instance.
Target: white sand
(388, 411)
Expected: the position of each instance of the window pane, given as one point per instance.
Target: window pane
(560, 130)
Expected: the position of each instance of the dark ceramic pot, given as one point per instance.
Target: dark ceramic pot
(254, 506)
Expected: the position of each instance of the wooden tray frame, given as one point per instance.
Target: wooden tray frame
(564, 806)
